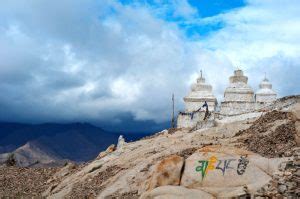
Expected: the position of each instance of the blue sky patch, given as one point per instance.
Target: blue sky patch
(208, 8)
(203, 9)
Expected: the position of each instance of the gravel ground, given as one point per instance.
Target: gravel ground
(93, 186)
(24, 182)
(260, 139)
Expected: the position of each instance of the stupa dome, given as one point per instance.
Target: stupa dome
(238, 89)
(265, 94)
(238, 96)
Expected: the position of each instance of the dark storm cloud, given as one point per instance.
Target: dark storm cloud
(98, 60)
(81, 60)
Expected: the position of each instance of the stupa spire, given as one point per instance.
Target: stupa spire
(265, 79)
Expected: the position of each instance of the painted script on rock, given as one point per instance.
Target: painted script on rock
(213, 163)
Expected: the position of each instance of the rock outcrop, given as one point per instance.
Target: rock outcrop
(169, 192)
(109, 150)
(226, 171)
(166, 172)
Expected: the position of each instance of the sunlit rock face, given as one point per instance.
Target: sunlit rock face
(200, 92)
(265, 94)
(238, 96)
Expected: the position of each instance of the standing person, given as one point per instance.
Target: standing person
(206, 110)
(205, 104)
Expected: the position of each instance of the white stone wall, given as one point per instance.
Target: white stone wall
(201, 87)
(232, 111)
(185, 121)
(265, 98)
(279, 104)
(205, 124)
(233, 108)
(234, 79)
(225, 119)
(247, 97)
(193, 106)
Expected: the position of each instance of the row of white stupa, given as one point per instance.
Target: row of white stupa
(239, 97)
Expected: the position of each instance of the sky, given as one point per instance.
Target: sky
(117, 63)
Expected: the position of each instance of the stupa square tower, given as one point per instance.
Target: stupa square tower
(238, 96)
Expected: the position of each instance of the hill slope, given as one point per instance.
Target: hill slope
(241, 156)
(78, 142)
(132, 170)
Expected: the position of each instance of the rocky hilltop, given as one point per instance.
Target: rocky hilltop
(255, 154)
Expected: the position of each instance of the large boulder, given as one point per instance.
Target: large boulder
(227, 172)
(295, 109)
(166, 172)
(297, 135)
(296, 117)
(109, 150)
(175, 192)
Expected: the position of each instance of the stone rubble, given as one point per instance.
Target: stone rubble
(262, 139)
(93, 185)
(24, 182)
(286, 182)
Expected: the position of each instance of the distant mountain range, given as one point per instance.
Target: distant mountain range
(53, 144)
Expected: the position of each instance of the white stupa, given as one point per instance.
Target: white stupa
(265, 94)
(238, 96)
(200, 92)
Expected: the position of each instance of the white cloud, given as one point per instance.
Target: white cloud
(125, 91)
(261, 32)
(183, 9)
(261, 29)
